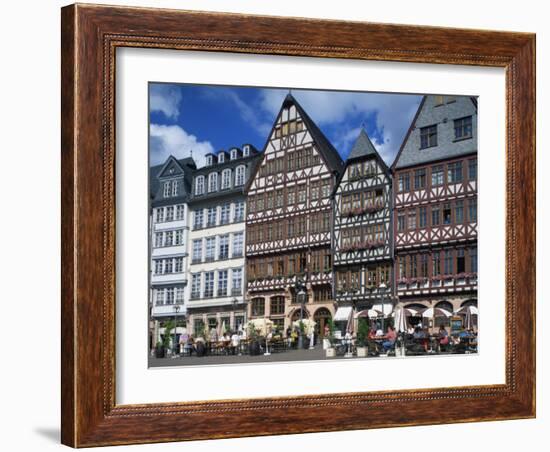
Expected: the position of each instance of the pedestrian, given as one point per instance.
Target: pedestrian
(235, 342)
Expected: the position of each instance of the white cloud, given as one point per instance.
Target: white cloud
(166, 140)
(165, 99)
(393, 113)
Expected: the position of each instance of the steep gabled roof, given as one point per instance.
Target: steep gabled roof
(329, 153)
(362, 147)
(187, 165)
(409, 155)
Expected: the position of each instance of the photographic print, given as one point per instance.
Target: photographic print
(291, 225)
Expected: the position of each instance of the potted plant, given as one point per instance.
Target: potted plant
(329, 344)
(159, 350)
(362, 335)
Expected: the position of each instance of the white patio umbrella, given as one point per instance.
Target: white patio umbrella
(349, 326)
(309, 325)
(436, 312)
(471, 309)
(370, 313)
(400, 319)
(468, 312)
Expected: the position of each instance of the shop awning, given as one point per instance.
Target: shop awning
(342, 314)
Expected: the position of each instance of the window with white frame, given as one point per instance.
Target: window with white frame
(198, 219)
(196, 285)
(158, 266)
(238, 244)
(239, 211)
(169, 213)
(210, 248)
(180, 212)
(159, 214)
(169, 295)
(199, 185)
(224, 247)
(246, 150)
(239, 176)
(159, 296)
(178, 237)
(222, 283)
(226, 179)
(211, 218)
(174, 188)
(225, 212)
(233, 154)
(179, 295)
(178, 265)
(209, 160)
(221, 157)
(208, 284)
(158, 239)
(166, 189)
(168, 238)
(236, 281)
(168, 266)
(212, 182)
(197, 250)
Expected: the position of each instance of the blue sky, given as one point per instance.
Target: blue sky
(206, 118)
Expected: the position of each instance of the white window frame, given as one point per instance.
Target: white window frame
(226, 179)
(238, 244)
(196, 215)
(212, 182)
(199, 185)
(223, 241)
(239, 208)
(166, 187)
(225, 213)
(197, 250)
(240, 173)
(174, 188)
(180, 212)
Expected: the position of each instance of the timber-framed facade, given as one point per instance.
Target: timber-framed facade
(435, 215)
(289, 221)
(363, 236)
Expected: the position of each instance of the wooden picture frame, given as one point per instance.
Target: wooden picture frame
(90, 36)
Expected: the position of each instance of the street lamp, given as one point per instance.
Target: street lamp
(176, 310)
(382, 287)
(301, 296)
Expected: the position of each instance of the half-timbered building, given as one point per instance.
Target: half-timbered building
(362, 240)
(217, 236)
(289, 221)
(435, 197)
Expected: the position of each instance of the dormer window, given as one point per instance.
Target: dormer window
(174, 188)
(226, 179)
(246, 150)
(209, 160)
(212, 182)
(199, 185)
(233, 154)
(166, 189)
(239, 176)
(221, 157)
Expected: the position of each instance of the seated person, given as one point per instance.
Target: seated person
(391, 337)
(443, 337)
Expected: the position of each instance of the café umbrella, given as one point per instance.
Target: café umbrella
(436, 312)
(468, 312)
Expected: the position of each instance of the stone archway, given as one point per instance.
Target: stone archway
(321, 318)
